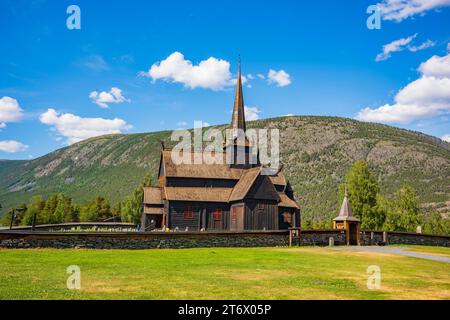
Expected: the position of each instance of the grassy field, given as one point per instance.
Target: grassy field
(260, 273)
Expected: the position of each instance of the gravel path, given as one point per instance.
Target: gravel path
(395, 250)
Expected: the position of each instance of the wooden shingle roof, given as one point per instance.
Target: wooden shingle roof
(287, 202)
(246, 181)
(206, 171)
(346, 212)
(198, 194)
(152, 195)
(278, 179)
(152, 210)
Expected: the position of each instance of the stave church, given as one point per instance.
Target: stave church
(220, 197)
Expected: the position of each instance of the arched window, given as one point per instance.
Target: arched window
(188, 213)
(217, 214)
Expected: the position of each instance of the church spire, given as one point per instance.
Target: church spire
(238, 119)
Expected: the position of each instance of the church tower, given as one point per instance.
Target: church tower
(238, 147)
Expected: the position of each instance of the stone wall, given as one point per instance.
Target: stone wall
(322, 237)
(418, 239)
(370, 238)
(143, 240)
(155, 240)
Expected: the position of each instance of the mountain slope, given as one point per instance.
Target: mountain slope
(316, 153)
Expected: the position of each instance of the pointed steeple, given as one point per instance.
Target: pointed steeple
(238, 118)
(346, 212)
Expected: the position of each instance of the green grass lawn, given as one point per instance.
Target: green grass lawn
(259, 273)
(439, 251)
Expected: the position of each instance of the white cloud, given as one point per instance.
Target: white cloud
(436, 67)
(398, 10)
(250, 77)
(425, 45)
(251, 113)
(211, 74)
(402, 44)
(75, 128)
(280, 78)
(446, 138)
(12, 146)
(394, 46)
(425, 97)
(261, 76)
(104, 98)
(10, 111)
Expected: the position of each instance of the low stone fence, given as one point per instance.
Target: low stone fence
(174, 240)
(418, 239)
(322, 237)
(376, 237)
(369, 238)
(153, 240)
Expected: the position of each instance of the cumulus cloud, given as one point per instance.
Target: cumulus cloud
(446, 138)
(280, 78)
(10, 111)
(251, 113)
(75, 128)
(436, 67)
(402, 44)
(211, 74)
(104, 98)
(12, 146)
(398, 10)
(425, 97)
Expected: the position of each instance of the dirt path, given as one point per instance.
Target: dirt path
(395, 250)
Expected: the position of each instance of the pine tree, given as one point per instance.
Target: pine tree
(363, 190)
(403, 213)
(131, 208)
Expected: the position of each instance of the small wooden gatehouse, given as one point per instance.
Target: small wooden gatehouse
(218, 197)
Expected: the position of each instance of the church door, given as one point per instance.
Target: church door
(353, 234)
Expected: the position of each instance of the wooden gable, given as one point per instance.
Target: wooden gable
(263, 189)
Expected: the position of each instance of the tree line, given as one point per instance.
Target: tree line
(401, 212)
(60, 208)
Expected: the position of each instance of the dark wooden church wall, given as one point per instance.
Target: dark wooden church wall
(201, 211)
(223, 224)
(298, 218)
(260, 215)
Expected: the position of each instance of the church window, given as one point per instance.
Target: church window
(188, 213)
(217, 215)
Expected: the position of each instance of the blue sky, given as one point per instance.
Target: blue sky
(321, 53)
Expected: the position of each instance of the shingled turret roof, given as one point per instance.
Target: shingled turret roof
(346, 213)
